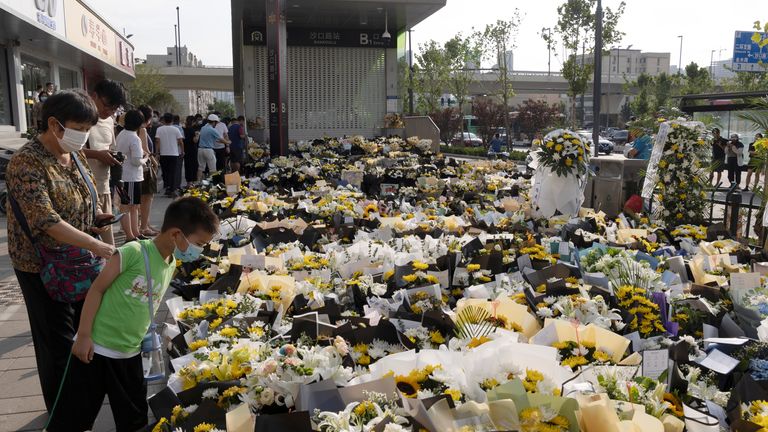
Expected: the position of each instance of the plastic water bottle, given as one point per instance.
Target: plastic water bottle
(152, 356)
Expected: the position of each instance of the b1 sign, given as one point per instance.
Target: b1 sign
(747, 55)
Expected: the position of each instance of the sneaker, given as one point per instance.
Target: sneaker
(746, 189)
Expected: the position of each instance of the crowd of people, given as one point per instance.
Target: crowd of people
(94, 153)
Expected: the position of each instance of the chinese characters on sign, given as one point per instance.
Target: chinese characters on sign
(318, 37)
(747, 55)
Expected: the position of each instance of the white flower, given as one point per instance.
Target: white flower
(267, 396)
(544, 312)
(211, 393)
(394, 427)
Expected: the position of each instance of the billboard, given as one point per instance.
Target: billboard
(747, 54)
(45, 13)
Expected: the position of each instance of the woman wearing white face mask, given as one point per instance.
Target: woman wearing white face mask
(52, 230)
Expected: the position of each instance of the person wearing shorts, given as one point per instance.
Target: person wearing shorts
(129, 144)
(237, 143)
(209, 137)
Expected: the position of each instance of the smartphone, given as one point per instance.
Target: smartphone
(115, 219)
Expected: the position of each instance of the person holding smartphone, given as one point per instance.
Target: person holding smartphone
(129, 144)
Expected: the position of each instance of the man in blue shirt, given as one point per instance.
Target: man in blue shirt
(641, 147)
(237, 143)
(496, 143)
(209, 136)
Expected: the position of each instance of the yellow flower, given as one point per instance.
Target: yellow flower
(388, 274)
(409, 278)
(549, 144)
(602, 356)
(454, 394)
(229, 332)
(574, 361)
(364, 360)
(215, 323)
(436, 337)
(159, 426)
(473, 267)
(568, 161)
(204, 427)
(558, 147)
(196, 345)
(476, 342)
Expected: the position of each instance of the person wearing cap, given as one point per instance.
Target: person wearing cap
(734, 153)
(209, 138)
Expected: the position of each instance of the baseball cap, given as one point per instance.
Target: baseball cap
(213, 117)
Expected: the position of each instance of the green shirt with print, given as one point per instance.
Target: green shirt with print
(123, 317)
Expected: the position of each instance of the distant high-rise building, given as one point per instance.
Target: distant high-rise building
(166, 60)
(721, 69)
(631, 62)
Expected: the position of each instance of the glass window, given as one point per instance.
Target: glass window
(35, 74)
(6, 118)
(68, 78)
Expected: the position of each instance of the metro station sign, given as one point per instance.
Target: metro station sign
(257, 36)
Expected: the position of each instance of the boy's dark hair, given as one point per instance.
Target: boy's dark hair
(167, 118)
(240, 118)
(48, 84)
(176, 119)
(715, 130)
(190, 214)
(146, 111)
(132, 120)
(198, 116)
(69, 105)
(112, 92)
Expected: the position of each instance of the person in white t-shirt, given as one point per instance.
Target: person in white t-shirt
(169, 144)
(129, 144)
(108, 96)
(221, 148)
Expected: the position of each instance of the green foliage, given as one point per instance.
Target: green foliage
(449, 122)
(226, 108)
(516, 155)
(697, 80)
(148, 88)
(576, 29)
(490, 115)
(459, 52)
(431, 71)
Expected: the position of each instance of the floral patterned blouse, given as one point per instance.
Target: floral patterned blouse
(47, 193)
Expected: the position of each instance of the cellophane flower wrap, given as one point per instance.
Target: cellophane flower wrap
(562, 167)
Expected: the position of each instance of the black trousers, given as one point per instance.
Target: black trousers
(734, 170)
(87, 384)
(53, 325)
(221, 158)
(168, 164)
(190, 166)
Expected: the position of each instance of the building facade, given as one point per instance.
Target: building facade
(63, 42)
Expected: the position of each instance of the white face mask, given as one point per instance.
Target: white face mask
(73, 140)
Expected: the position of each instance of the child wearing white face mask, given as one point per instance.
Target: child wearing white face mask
(118, 312)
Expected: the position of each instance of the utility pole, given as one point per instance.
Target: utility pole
(549, 51)
(711, 62)
(176, 40)
(680, 60)
(410, 75)
(178, 31)
(597, 81)
(608, 99)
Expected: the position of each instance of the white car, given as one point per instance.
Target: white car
(469, 139)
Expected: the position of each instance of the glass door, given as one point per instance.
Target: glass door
(6, 118)
(35, 76)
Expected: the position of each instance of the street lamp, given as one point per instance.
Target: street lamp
(680, 59)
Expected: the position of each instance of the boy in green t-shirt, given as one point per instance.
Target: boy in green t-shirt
(115, 319)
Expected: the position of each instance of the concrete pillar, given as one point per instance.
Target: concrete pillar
(390, 77)
(277, 76)
(17, 89)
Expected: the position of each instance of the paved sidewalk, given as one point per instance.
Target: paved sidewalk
(21, 401)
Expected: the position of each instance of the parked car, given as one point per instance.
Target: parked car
(609, 132)
(468, 140)
(605, 146)
(620, 137)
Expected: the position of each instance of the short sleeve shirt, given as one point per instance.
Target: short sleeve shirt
(222, 129)
(643, 145)
(102, 137)
(129, 144)
(123, 316)
(234, 136)
(208, 137)
(47, 193)
(169, 137)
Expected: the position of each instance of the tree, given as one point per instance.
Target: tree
(536, 115)
(744, 81)
(641, 104)
(430, 76)
(148, 88)
(226, 108)
(576, 29)
(460, 52)
(496, 40)
(697, 80)
(490, 115)
(449, 121)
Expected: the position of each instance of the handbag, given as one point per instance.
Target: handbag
(67, 271)
(151, 354)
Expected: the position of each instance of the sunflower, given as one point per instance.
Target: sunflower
(408, 385)
(675, 406)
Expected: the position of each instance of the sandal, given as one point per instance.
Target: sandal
(149, 232)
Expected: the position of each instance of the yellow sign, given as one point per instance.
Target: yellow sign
(90, 33)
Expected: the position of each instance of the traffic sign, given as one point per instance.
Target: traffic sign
(747, 55)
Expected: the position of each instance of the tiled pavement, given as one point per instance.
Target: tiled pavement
(21, 401)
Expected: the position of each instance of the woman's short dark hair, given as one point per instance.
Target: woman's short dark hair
(112, 92)
(146, 111)
(69, 106)
(189, 121)
(133, 120)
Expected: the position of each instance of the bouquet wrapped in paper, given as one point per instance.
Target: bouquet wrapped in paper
(561, 165)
